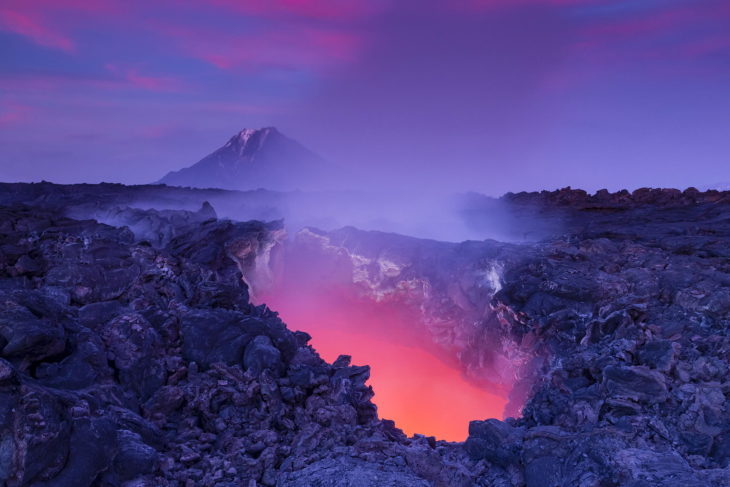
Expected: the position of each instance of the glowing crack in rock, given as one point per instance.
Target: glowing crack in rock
(420, 390)
(437, 357)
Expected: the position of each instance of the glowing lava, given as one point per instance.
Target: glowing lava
(421, 391)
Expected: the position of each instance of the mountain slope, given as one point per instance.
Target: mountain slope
(255, 158)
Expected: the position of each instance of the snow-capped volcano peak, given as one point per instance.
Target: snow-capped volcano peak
(249, 141)
(254, 158)
(247, 134)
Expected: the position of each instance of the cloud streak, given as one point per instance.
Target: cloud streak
(328, 10)
(13, 113)
(51, 23)
(298, 47)
(269, 34)
(133, 78)
(34, 28)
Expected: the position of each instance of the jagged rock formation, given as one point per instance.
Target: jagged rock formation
(633, 307)
(445, 289)
(126, 364)
(256, 158)
(137, 359)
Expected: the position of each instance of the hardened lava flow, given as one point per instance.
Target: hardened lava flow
(131, 353)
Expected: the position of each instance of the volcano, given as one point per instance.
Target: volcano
(256, 158)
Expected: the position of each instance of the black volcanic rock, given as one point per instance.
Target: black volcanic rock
(145, 380)
(133, 360)
(624, 316)
(256, 158)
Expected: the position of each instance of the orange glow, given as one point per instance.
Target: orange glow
(420, 389)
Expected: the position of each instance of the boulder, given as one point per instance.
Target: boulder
(261, 354)
(495, 441)
(635, 382)
(659, 354)
(30, 338)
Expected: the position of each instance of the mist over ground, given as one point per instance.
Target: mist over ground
(454, 217)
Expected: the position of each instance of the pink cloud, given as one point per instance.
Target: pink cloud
(131, 77)
(656, 35)
(293, 34)
(120, 80)
(710, 45)
(635, 26)
(239, 108)
(337, 45)
(294, 47)
(12, 113)
(38, 20)
(34, 27)
(502, 4)
(159, 131)
(663, 42)
(309, 9)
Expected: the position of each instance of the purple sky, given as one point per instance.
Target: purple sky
(489, 95)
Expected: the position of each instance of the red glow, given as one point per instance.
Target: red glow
(420, 390)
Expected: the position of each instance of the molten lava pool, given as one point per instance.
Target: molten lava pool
(420, 391)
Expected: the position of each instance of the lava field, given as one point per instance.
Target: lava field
(148, 337)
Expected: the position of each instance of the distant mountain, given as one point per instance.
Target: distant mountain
(256, 158)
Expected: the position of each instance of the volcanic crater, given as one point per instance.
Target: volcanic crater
(143, 346)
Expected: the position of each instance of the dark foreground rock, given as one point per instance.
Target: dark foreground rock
(127, 364)
(616, 332)
(131, 356)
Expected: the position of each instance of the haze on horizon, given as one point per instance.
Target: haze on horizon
(484, 95)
